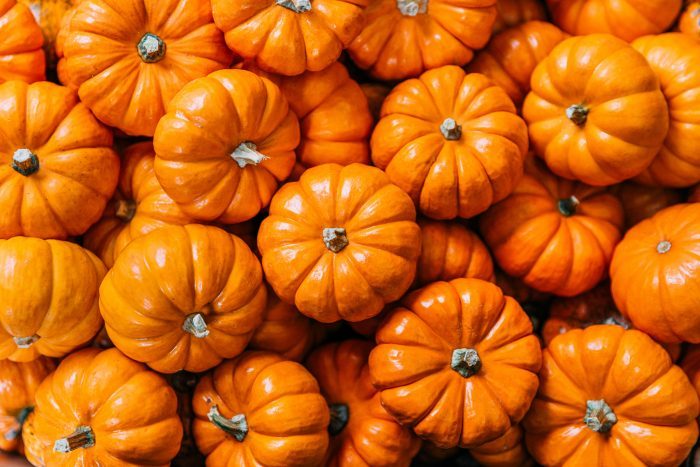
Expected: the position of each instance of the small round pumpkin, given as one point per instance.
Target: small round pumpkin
(689, 22)
(340, 243)
(183, 298)
(21, 39)
(49, 15)
(595, 111)
(508, 450)
(691, 366)
(362, 432)
(457, 362)
(102, 408)
(452, 141)
(512, 13)
(610, 397)
(260, 409)
(641, 202)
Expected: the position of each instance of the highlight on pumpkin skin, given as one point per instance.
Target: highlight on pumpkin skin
(21, 42)
(689, 22)
(49, 15)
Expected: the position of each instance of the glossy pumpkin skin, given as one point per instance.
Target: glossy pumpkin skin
(40, 320)
(506, 451)
(655, 274)
(368, 258)
(49, 15)
(511, 56)
(286, 416)
(21, 54)
(423, 350)
(689, 22)
(691, 366)
(73, 171)
(653, 403)
(512, 13)
(362, 432)
(130, 87)
(139, 206)
(131, 413)
(225, 144)
(456, 172)
(396, 44)
(556, 235)
(595, 112)
(183, 298)
(641, 202)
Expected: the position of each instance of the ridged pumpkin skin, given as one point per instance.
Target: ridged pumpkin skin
(511, 56)
(340, 243)
(183, 298)
(512, 13)
(595, 112)
(128, 58)
(131, 413)
(556, 235)
(442, 332)
(72, 171)
(506, 451)
(689, 22)
(285, 416)
(655, 275)
(49, 298)
(49, 16)
(225, 144)
(641, 202)
(402, 39)
(691, 366)
(450, 171)
(139, 206)
(587, 372)
(21, 55)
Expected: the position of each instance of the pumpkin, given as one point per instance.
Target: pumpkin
(691, 366)
(340, 243)
(57, 165)
(226, 142)
(558, 236)
(595, 112)
(18, 384)
(514, 287)
(404, 38)
(139, 206)
(641, 202)
(450, 251)
(452, 141)
(101, 408)
(375, 94)
(20, 44)
(49, 298)
(627, 20)
(128, 58)
(260, 409)
(362, 432)
(512, 13)
(457, 362)
(508, 450)
(49, 15)
(655, 273)
(689, 22)
(610, 397)
(511, 56)
(183, 298)
(289, 37)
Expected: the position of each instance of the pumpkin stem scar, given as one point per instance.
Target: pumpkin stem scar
(450, 130)
(663, 247)
(247, 154)
(124, 209)
(21, 417)
(412, 7)
(466, 362)
(195, 325)
(25, 342)
(599, 416)
(340, 415)
(578, 114)
(335, 239)
(25, 162)
(236, 426)
(151, 48)
(567, 207)
(82, 437)
(297, 6)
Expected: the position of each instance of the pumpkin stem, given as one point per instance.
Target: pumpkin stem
(663, 247)
(124, 209)
(450, 130)
(25, 342)
(151, 48)
(578, 114)
(196, 325)
(247, 154)
(335, 239)
(297, 6)
(567, 207)
(340, 415)
(82, 437)
(466, 362)
(412, 7)
(599, 416)
(25, 162)
(21, 417)
(236, 426)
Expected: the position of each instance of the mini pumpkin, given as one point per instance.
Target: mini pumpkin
(260, 409)
(512, 13)
(452, 141)
(101, 408)
(641, 202)
(49, 15)
(508, 450)
(689, 22)
(596, 112)
(457, 362)
(610, 397)
(183, 297)
(691, 366)
(21, 55)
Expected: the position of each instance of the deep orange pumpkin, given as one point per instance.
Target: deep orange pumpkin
(689, 22)
(49, 15)
(375, 94)
(641, 202)
(21, 55)
(515, 12)
(507, 451)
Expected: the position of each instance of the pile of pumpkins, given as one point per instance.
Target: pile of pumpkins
(349, 232)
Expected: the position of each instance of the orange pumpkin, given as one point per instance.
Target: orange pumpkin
(21, 55)
(140, 206)
(611, 397)
(49, 15)
(511, 56)
(506, 451)
(595, 112)
(655, 275)
(128, 58)
(514, 287)
(340, 243)
(226, 142)
(515, 12)
(641, 202)
(556, 235)
(260, 409)
(57, 165)
(183, 297)
(452, 141)
(375, 94)
(403, 38)
(689, 22)
(49, 298)
(101, 408)
(627, 20)
(362, 432)
(691, 366)
(458, 363)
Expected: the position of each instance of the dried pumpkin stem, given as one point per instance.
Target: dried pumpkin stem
(578, 114)
(25, 342)
(567, 207)
(451, 130)
(21, 417)
(340, 415)
(297, 6)
(151, 48)
(335, 238)
(196, 325)
(412, 7)
(83, 437)
(25, 162)
(466, 362)
(599, 416)
(125, 209)
(236, 426)
(663, 247)
(247, 154)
